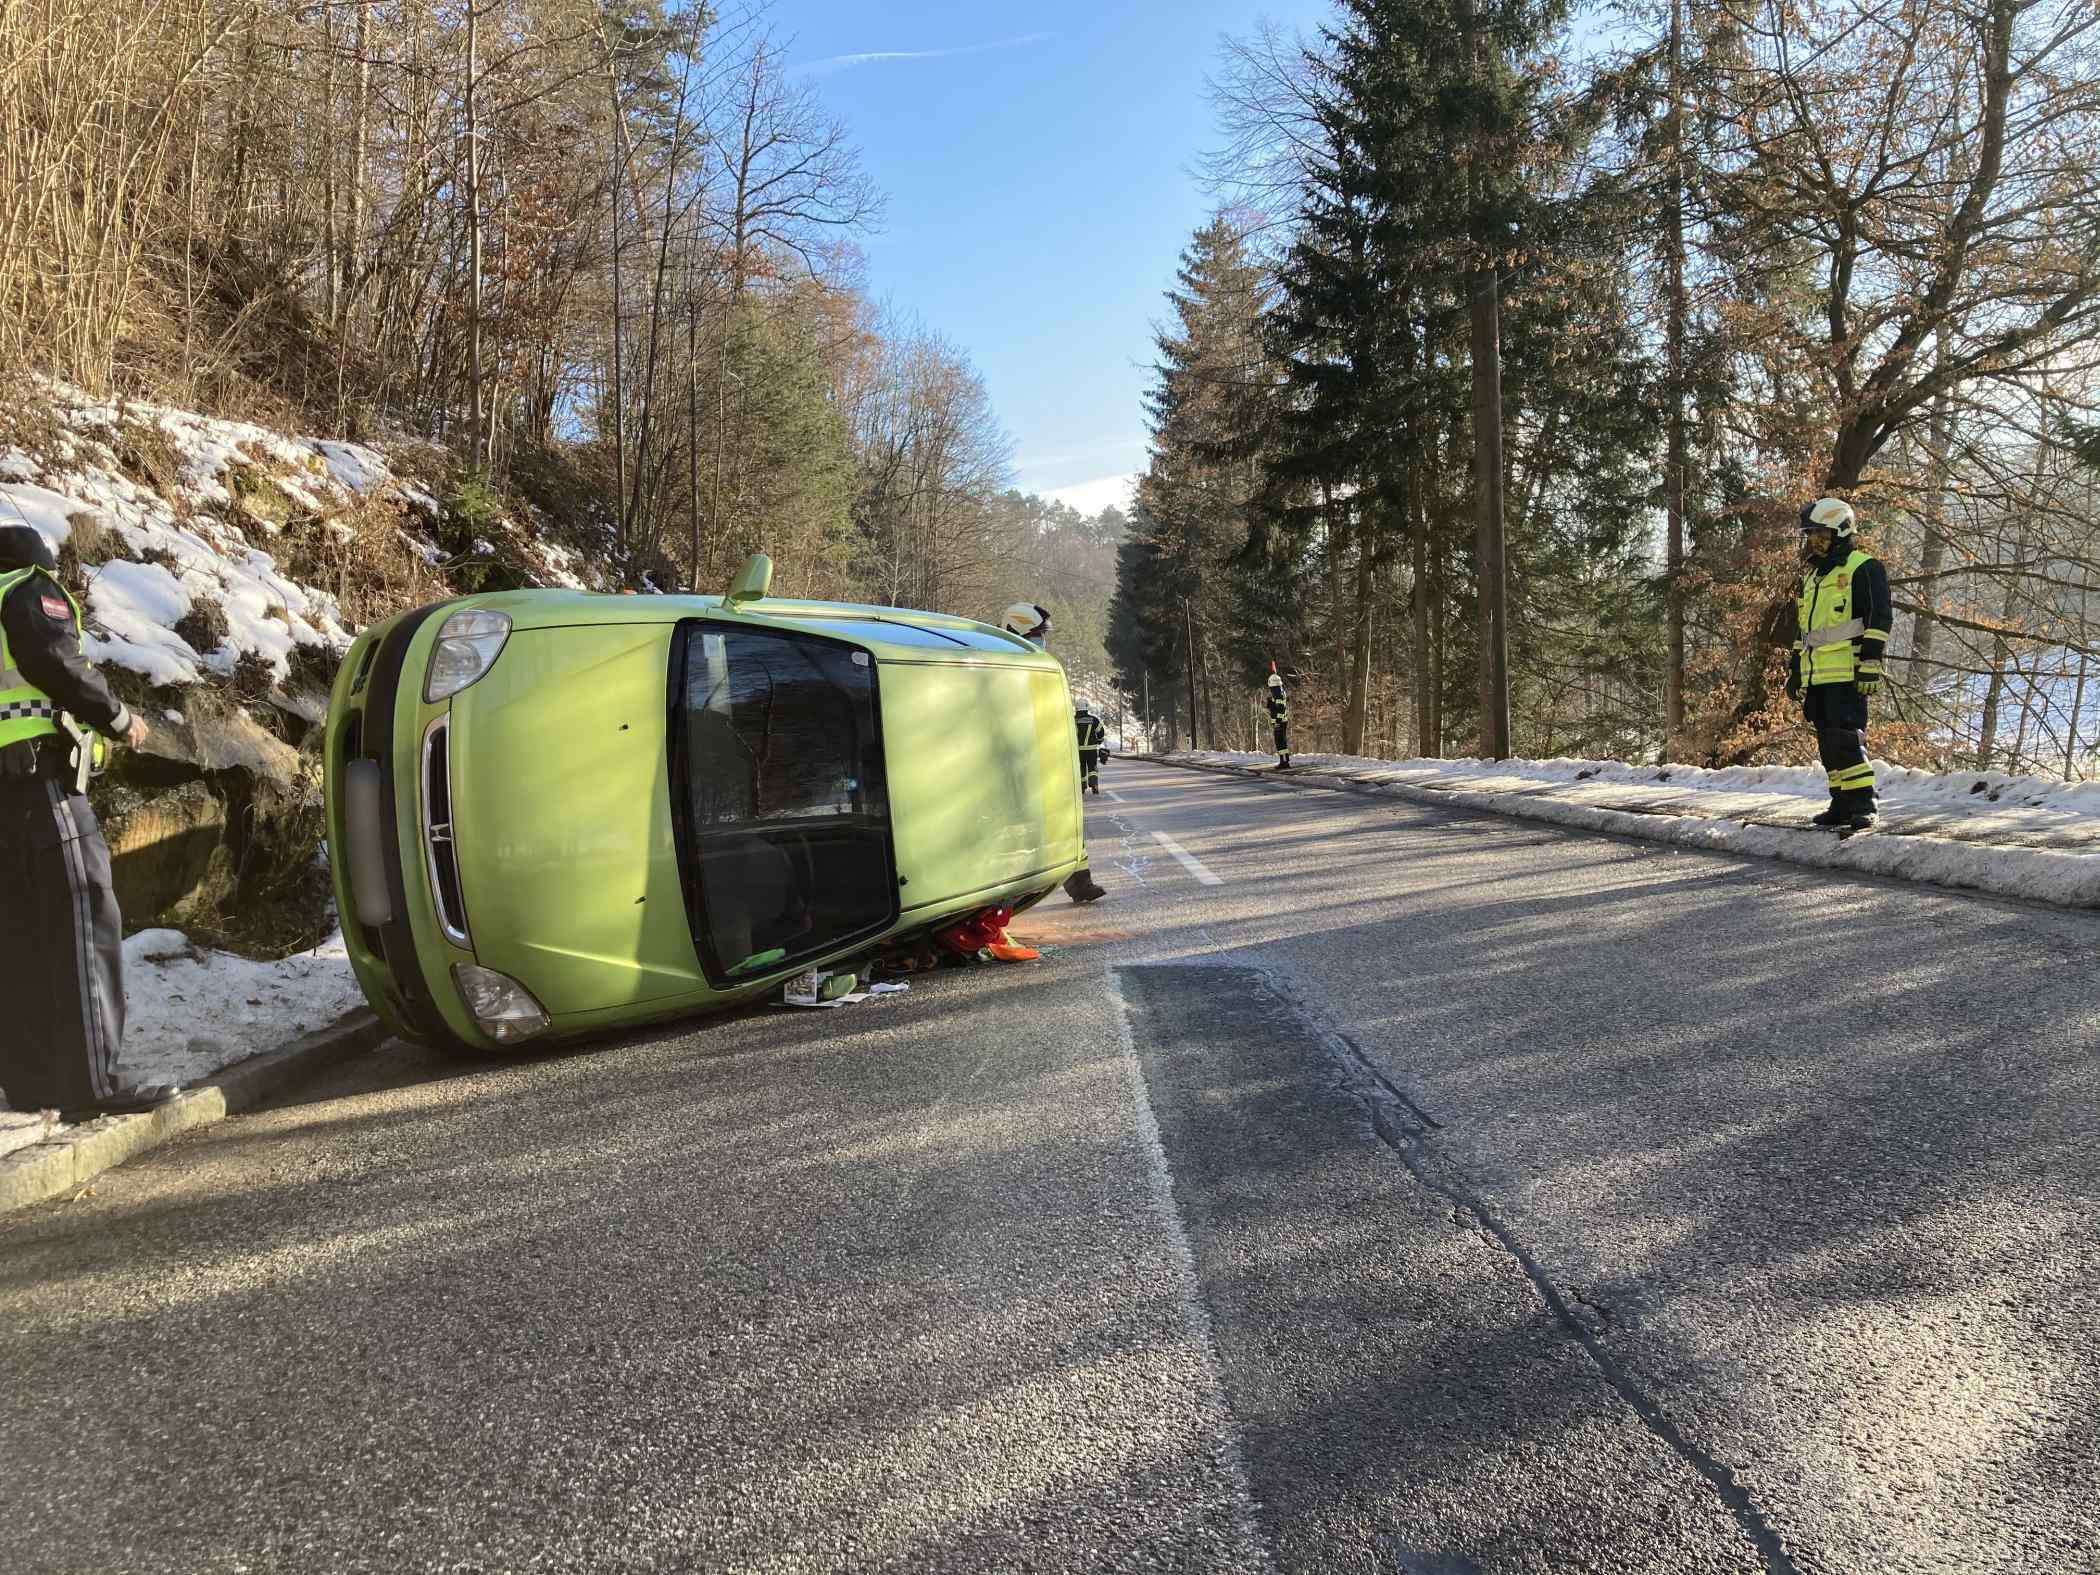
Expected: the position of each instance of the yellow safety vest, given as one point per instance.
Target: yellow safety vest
(25, 710)
(1830, 623)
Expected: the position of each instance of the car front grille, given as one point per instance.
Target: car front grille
(437, 833)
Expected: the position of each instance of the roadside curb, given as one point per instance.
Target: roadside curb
(2046, 875)
(43, 1171)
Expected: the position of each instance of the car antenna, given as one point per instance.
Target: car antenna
(752, 581)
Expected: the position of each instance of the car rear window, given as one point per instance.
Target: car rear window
(783, 808)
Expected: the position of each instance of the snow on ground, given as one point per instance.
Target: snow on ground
(2011, 836)
(190, 1012)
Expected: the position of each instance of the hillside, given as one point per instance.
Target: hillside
(223, 568)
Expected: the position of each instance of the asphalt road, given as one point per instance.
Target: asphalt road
(1358, 1188)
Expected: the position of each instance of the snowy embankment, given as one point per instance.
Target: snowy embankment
(191, 1013)
(193, 544)
(183, 508)
(1978, 830)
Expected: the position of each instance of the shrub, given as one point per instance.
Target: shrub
(254, 675)
(87, 543)
(204, 627)
(314, 667)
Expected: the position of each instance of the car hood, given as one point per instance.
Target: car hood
(562, 822)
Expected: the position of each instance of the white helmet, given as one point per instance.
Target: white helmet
(1027, 620)
(1831, 514)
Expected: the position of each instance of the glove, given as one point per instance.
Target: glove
(1793, 678)
(1868, 677)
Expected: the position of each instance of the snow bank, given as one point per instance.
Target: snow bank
(1981, 831)
(191, 1012)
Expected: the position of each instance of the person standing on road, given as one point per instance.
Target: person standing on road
(1092, 735)
(1279, 719)
(1031, 621)
(61, 937)
(1845, 616)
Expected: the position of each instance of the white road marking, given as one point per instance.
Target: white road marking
(1187, 860)
(1112, 795)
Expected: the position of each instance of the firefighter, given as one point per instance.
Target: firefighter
(1279, 719)
(1092, 735)
(61, 939)
(1030, 622)
(1844, 624)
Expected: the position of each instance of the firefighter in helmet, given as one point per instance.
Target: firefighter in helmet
(1092, 735)
(1279, 719)
(1844, 618)
(1029, 621)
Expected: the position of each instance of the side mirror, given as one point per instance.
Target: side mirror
(752, 581)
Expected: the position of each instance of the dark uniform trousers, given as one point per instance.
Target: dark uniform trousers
(1838, 713)
(61, 945)
(1090, 769)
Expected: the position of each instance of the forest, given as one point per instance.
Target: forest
(600, 256)
(1486, 403)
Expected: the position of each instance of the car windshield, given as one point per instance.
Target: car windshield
(783, 814)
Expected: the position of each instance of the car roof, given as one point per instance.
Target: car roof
(892, 633)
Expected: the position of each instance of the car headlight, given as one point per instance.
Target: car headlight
(467, 646)
(503, 1007)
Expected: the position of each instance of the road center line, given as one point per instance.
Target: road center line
(1187, 860)
(1112, 795)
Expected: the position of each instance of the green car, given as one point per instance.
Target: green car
(553, 813)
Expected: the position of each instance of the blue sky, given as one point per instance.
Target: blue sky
(1039, 166)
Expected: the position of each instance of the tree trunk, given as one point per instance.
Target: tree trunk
(353, 232)
(1484, 292)
(1354, 720)
(1940, 439)
(1188, 652)
(476, 458)
(1674, 478)
(1418, 531)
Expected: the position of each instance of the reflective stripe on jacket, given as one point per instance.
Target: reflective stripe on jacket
(1832, 622)
(25, 710)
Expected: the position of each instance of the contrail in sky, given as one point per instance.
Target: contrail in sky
(848, 62)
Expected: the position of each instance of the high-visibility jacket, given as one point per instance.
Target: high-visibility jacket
(25, 711)
(1279, 707)
(1842, 620)
(1092, 735)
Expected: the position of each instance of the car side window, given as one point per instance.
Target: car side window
(779, 778)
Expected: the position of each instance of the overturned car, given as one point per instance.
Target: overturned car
(553, 813)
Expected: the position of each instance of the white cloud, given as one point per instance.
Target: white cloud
(825, 67)
(1091, 497)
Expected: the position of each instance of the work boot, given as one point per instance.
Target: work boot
(147, 1096)
(1082, 887)
(1860, 813)
(1838, 814)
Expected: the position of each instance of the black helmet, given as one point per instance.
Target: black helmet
(24, 547)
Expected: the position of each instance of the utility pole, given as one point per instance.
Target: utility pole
(1484, 291)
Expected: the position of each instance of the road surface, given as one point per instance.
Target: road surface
(1361, 1187)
